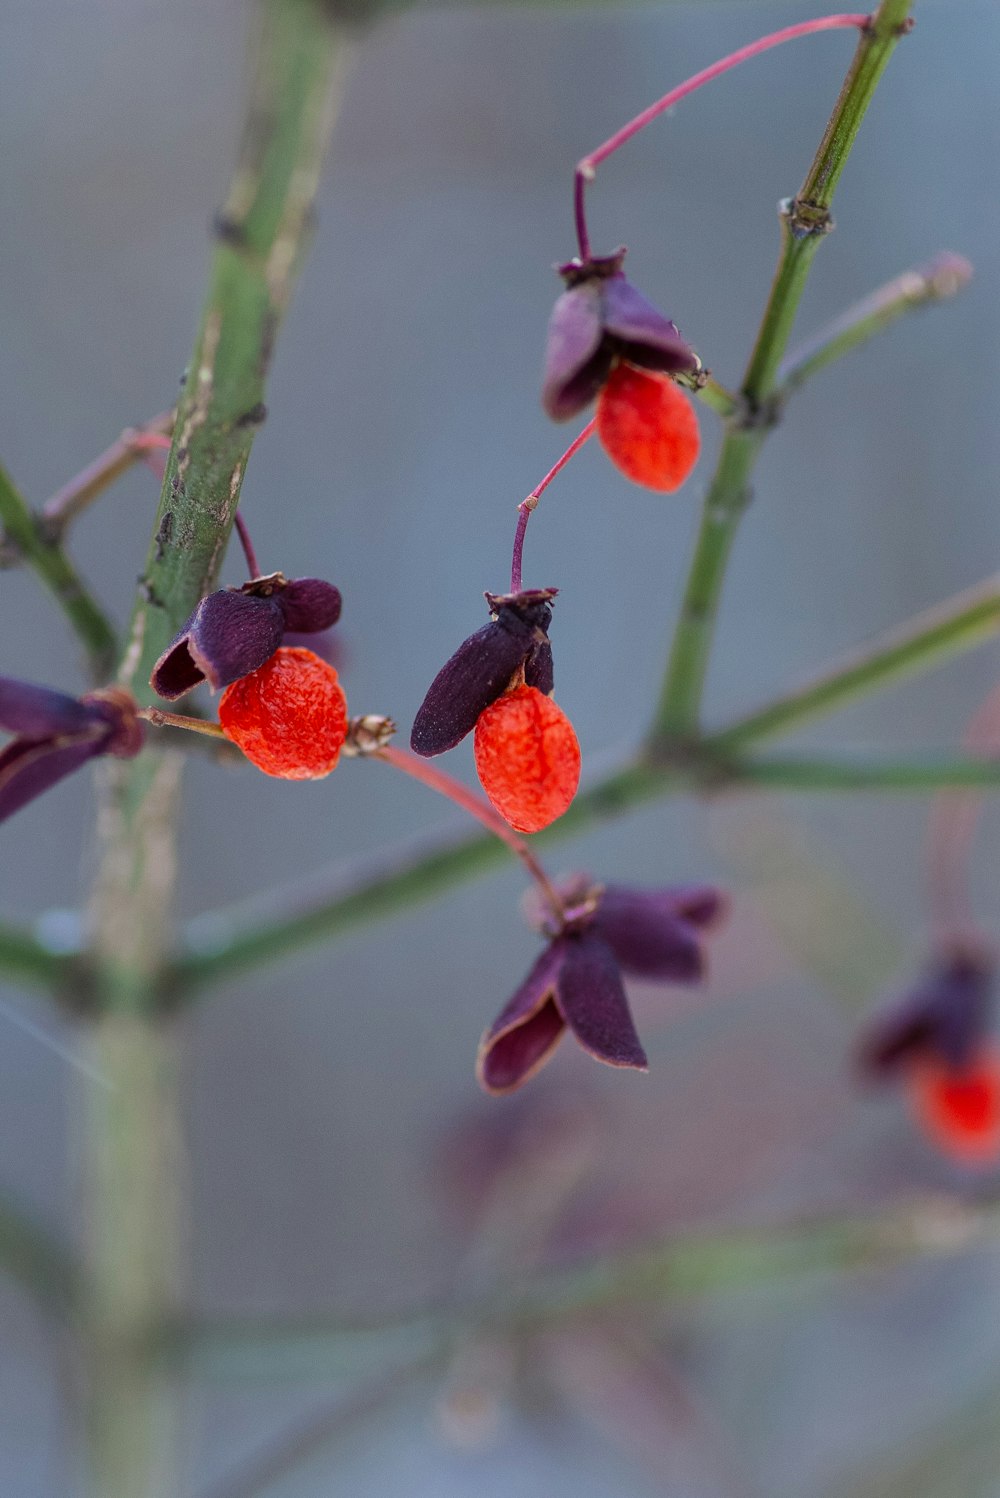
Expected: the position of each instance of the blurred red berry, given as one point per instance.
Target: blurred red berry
(528, 758)
(959, 1107)
(648, 428)
(289, 717)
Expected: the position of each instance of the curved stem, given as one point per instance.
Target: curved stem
(805, 220)
(63, 507)
(587, 166)
(54, 568)
(527, 505)
(476, 806)
(940, 278)
(965, 620)
(244, 534)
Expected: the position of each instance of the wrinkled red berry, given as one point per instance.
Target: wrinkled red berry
(528, 758)
(289, 717)
(959, 1107)
(648, 428)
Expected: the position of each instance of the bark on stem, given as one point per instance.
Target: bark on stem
(132, 1170)
(805, 220)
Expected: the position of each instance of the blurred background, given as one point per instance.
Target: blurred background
(341, 1155)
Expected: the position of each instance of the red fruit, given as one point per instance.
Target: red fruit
(289, 717)
(648, 428)
(528, 758)
(959, 1109)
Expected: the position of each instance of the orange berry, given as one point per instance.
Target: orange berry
(528, 758)
(289, 717)
(648, 428)
(959, 1108)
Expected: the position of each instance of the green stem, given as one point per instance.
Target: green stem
(24, 958)
(132, 1190)
(222, 945)
(708, 390)
(963, 621)
(57, 572)
(230, 942)
(132, 1154)
(804, 221)
(809, 774)
(686, 1268)
(677, 711)
(939, 279)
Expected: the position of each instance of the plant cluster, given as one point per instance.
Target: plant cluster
(266, 648)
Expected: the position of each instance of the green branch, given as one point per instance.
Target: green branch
(132, 1167)
(48, 560)
(686, 1268)
(804, 221)
(221, 945)
(27, 960)
(939, 279)
(815, 774)
(962, 622)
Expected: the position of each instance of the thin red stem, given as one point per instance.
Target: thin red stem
(476, 806)
(951, 830)
(247, 544)
(133, 444)
(588, 165)
(527, 505)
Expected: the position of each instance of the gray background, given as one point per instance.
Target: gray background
(404, 427)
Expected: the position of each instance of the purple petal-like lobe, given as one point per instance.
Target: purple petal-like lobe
(653, 932)
(590, 995)
(39, 712)
(230, 634)
(945, 1015)
(30, 766)
(576, 365)
(476, 675)
(527, 1031)
(309, 604)
(643, 335)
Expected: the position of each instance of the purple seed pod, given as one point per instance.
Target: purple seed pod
(945, 1015)
(482, 667)
(576, 984)
(235, 630)
(58, 734)
(599, 319)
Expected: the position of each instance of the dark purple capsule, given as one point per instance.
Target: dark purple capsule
(481, 669)
(236, 630)
(599, 319)
(945, 1016)
(57, 735)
